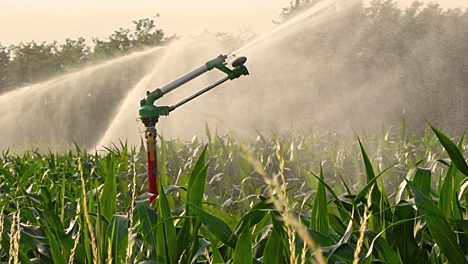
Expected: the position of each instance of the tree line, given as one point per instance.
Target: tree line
(25, 63)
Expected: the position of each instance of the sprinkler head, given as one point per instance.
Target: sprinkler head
(239, 68)
(239, 62)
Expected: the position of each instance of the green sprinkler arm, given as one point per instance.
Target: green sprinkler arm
(149, 113)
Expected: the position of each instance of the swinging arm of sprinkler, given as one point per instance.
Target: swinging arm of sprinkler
(238, 71)
(150, 113)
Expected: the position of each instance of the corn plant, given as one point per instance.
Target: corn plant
(290, 198)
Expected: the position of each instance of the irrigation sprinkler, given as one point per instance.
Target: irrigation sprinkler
(150, 113)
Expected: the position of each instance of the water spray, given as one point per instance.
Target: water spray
(150, 113)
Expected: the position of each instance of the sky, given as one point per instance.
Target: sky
(48, 20)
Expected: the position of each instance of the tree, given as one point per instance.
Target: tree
(120, 42)
(4, 62)
(30, 62)
(124, 40)
(146, 34)
(73, 53)
(33, 61)
(295, 7)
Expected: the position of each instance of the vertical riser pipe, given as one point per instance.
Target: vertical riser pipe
(151, 160)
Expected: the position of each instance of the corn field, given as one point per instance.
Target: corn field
(298, 197)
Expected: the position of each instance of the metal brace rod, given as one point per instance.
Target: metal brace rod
(190, 98)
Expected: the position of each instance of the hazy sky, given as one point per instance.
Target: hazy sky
(47, 20)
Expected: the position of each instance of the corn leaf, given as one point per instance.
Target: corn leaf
(243, 251)
(148, 219)
(216, 227)
(254, 216)
(108, 198)
(448, 202)
(168, 246)
(195, 192)
(438, 226)
(216, 256)
(273, 252)
(319, 215)
(422, 181)
(376, 195)
(118, 227)
(57, 256)
(406, 245)
(452, 150)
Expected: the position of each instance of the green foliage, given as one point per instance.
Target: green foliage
(243, 250)
(73, 53)
(30, 62)
(109, 190)
(274, 249)
(453, 151)
(123, 40)
(4, 64)
(439, 227)
(146, 34)
(33, 60)
(216, 226)
(196, 220)
(166, 229)
(295, 7)
(319, 216)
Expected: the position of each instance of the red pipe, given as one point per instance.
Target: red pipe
(151, 160)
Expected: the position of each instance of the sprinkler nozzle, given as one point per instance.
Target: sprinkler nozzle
(239, 68)
(239, 62)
